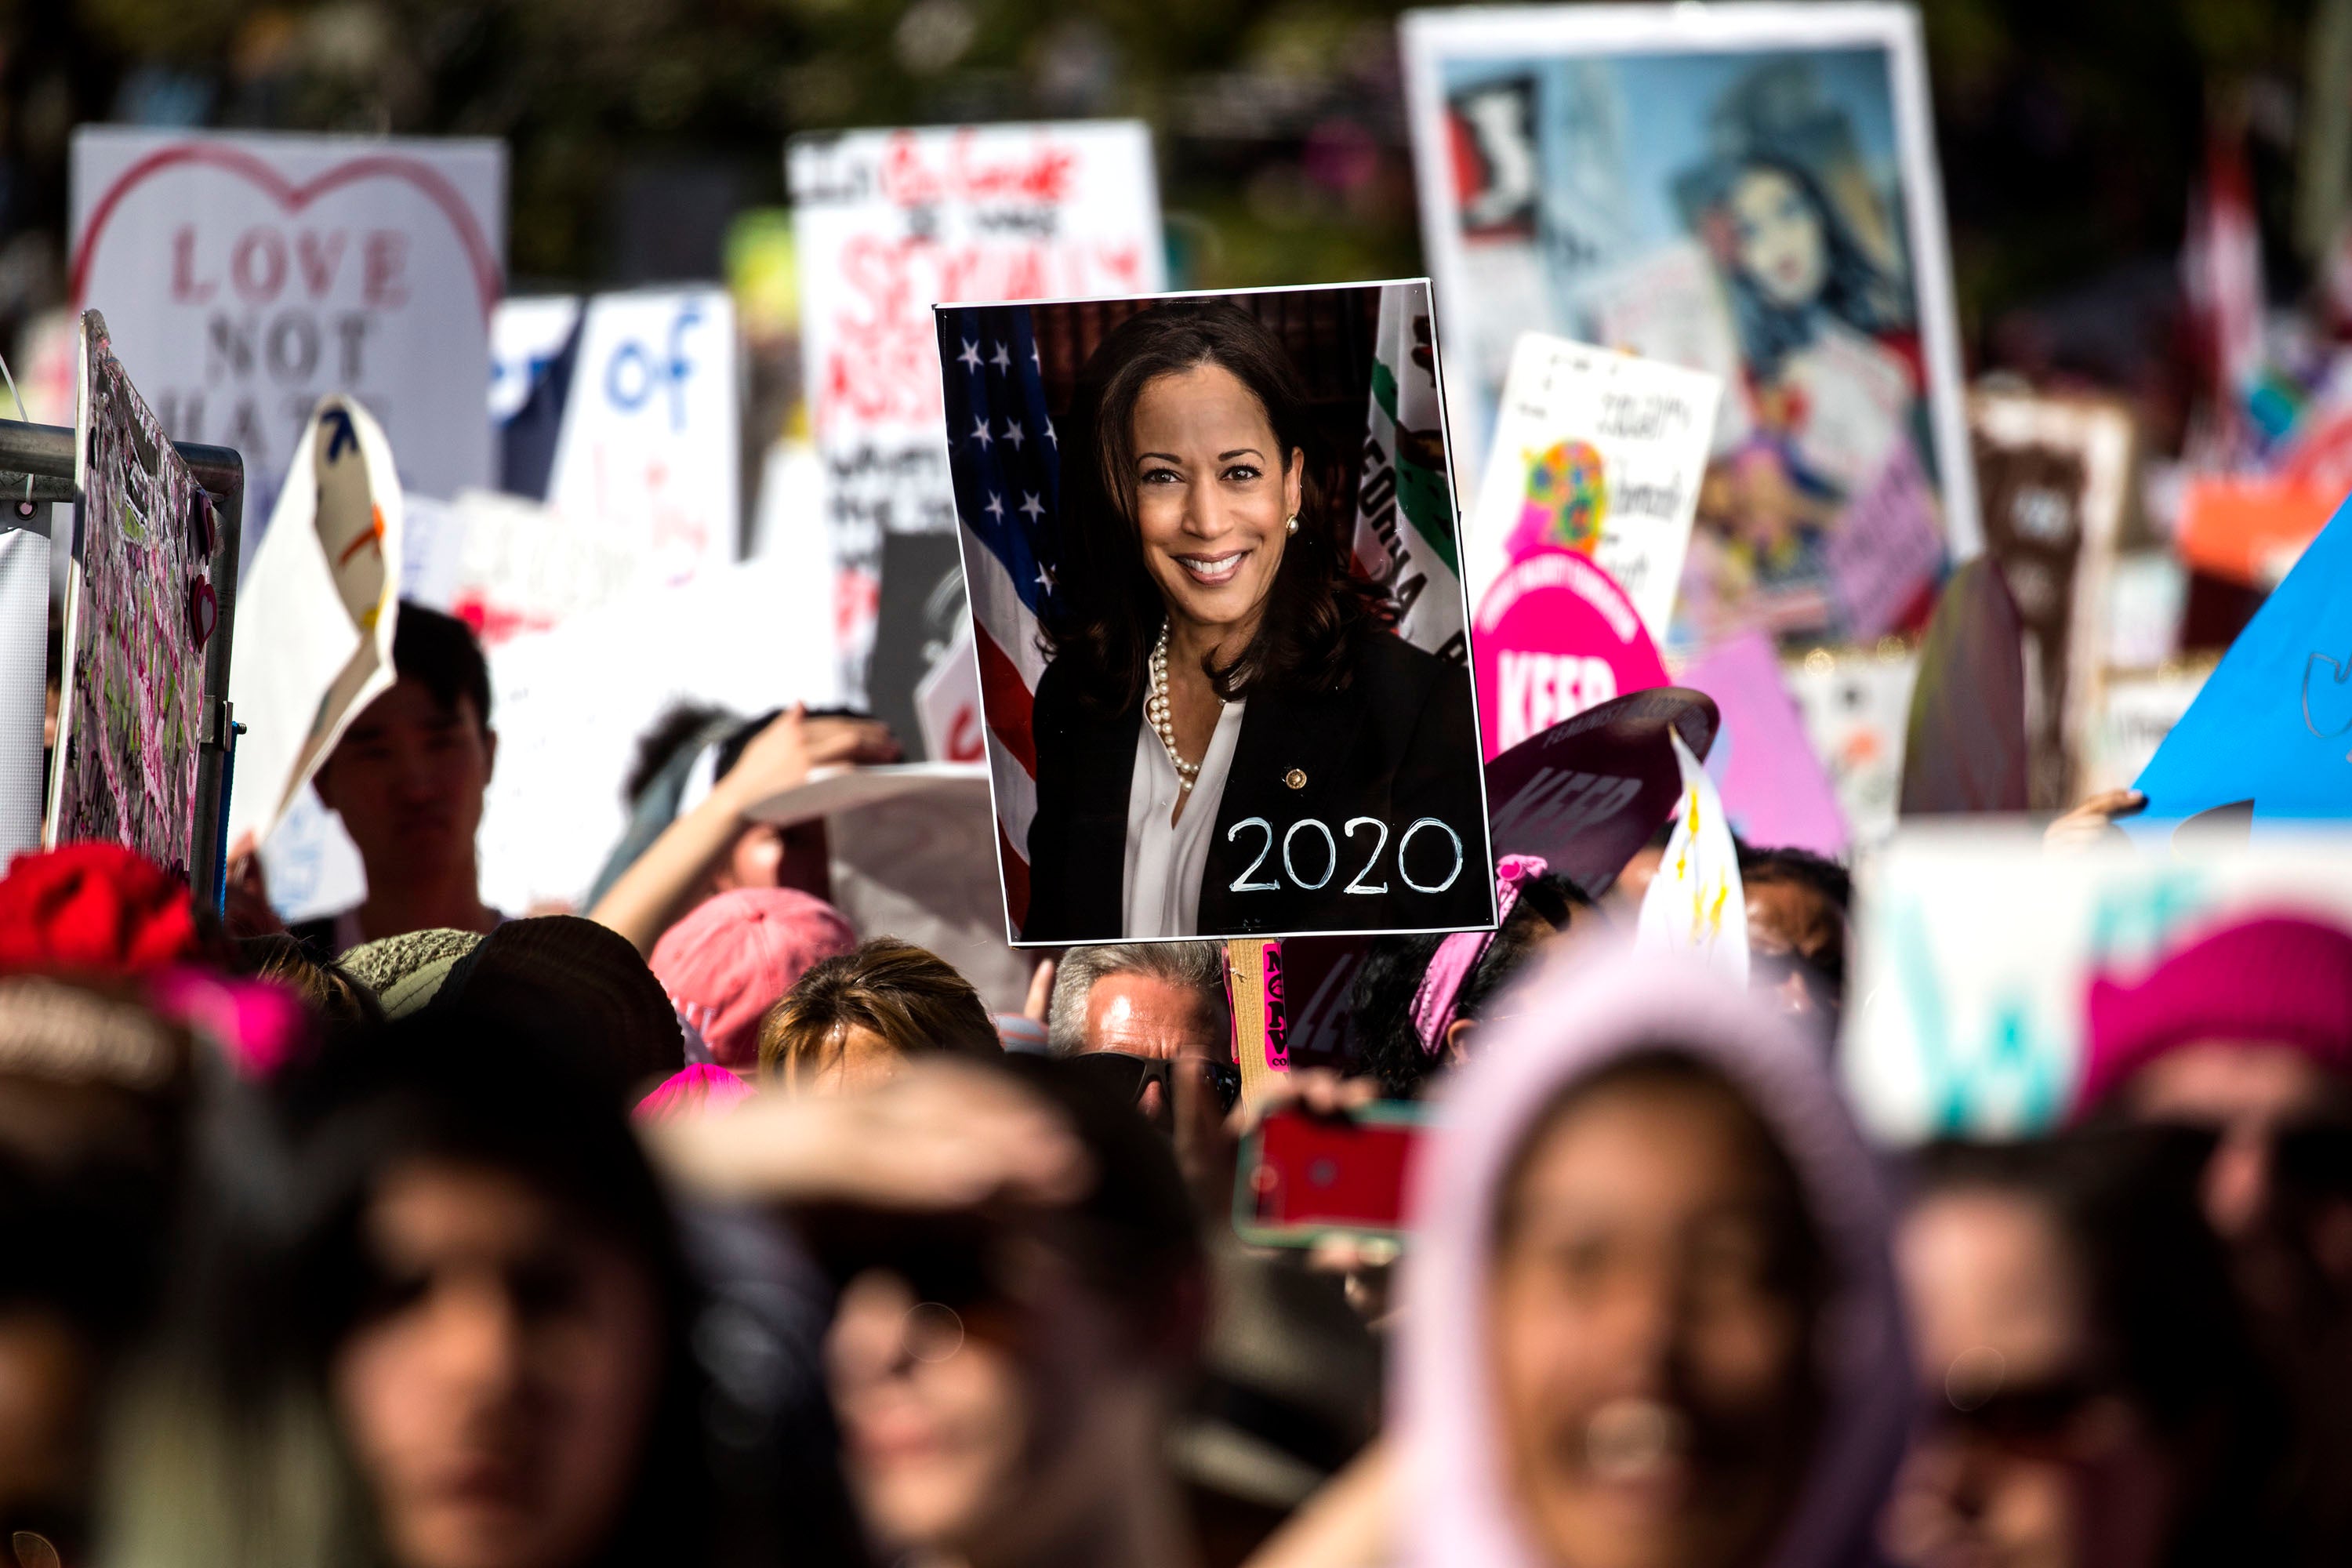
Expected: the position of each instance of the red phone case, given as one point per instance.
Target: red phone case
(1306, 1176)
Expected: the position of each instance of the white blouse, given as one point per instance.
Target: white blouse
(1164, 861)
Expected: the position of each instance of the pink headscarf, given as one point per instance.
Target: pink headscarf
(1576, 1017)
(1457, 955)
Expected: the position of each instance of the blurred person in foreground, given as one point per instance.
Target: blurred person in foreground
(853, 1023)
(1649, 1312)
(407, 778)
(713, 844)
(2242, 1035)
(1021, 1303)
(2091, 1394)
(432, 1314)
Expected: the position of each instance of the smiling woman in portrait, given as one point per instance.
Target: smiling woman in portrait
(1229, 737)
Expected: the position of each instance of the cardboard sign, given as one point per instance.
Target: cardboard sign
(140, 613)
(649, 451)
(1745, 191)
(1324, 822)
(1587, 794)
(2055, 475)
(1974, 952)
(1695, 903)
(1556, 636)
(320, 604)
(889, 223)
(1857, 705)
(2273, 722)
(1773, 786)
(1600, 453)
(248, 275)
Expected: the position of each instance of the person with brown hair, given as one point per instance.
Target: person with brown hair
(851, 1021)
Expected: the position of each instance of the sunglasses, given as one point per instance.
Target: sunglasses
(1123, 1075)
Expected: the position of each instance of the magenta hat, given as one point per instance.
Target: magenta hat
(734, 957)
(692, 1090)
(2276, 980)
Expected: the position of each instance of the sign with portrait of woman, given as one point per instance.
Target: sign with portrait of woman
(1745, 190)
(1210, 548)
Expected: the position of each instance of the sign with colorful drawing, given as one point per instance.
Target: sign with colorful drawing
(1749, 191)
(140, 612)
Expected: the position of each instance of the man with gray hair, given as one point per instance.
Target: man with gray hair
(1161, 999)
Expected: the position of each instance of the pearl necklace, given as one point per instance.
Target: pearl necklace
(1163, 723)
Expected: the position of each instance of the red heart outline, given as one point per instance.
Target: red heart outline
(428, 180)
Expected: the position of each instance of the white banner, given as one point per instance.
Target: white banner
(243, 275)
(889, 223)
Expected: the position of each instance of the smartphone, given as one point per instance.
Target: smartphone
(1305, 1177)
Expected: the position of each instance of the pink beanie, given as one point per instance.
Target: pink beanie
(2270, 980)
(734, 957)
(691, 1089)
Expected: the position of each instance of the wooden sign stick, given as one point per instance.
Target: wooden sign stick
(1254, 984)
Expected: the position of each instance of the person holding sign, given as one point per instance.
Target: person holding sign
(1229, 737)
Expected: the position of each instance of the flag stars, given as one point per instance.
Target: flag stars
(995, 507)
(1051, 437)
(1002, 358)
(979, 433)
(1044, 577)
(1031, 507)
(1035, 363)
(970, 354)
(1012, 433)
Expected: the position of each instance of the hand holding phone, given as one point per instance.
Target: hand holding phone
(1307, 1178)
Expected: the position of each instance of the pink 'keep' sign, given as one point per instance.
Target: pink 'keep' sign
(1554, 637)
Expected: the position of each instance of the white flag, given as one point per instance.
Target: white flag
(1697, 904)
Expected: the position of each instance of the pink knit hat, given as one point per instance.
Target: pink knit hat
(2275, 979)
(728, 963)
(692, 1091)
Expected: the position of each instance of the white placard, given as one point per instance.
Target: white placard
(888, 224)
(1975, 951)
(648, 449)
(243, 276)
(1599, 452)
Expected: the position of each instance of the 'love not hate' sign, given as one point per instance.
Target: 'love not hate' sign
(243, 276)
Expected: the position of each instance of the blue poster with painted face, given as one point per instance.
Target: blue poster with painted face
(2273, 723)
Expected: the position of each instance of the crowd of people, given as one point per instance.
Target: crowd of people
(705, 1228)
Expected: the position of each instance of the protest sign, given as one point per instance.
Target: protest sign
(1749, 191)
(947, 705)
(1585, 794)
(321, 606)
(1695, 903)
(2137, 709)
(142, 681)
(890, 223)
(568, 703)
(1856, 704)
(922, 616)
(248, 275)
(1556, 635)
(1974, 952)
(1600, 453)
(2272, 724)
(1321, 818)
(1774, 789)
(2055, 477)
(649, 451)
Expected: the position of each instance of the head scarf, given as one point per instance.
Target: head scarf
(1578, 1018)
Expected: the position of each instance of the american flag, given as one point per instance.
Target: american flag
(1005, 456)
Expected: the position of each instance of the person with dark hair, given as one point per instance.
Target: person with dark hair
(1796, 265)
(2093, 1395)
(851, 1021)
(407, 778)
(693, 835)
(432, 1313)
(337, 997)
(1797, 904)
(1410, 1017)
(1220, 680)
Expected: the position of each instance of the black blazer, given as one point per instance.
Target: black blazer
(1398, 745)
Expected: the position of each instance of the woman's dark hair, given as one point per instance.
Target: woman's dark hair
(232, 1453)
(2166, 1330)
(1853, 289)
(1381, 1036)
(1106, 611)
(658, 746)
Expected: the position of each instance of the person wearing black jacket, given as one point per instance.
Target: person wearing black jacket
(1228, 738)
